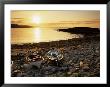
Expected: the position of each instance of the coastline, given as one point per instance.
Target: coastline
(60, 43)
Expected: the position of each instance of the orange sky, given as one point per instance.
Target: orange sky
(72, 18)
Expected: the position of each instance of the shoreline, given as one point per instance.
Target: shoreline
(59, 43)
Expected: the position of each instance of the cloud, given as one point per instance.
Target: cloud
(17, 20)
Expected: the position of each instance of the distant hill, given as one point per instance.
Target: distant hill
(20, 26)
(81, 30)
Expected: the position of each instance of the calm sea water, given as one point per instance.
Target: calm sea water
(36, 35)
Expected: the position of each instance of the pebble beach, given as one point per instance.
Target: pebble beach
(81, 58)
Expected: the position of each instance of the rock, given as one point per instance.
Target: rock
(15, 72)
(77, 66)
(70, 61)
(81, 64)
(97, 51)
(98, 65)
(74, 74)
(69, 73)
(27, 66)
(60, 74)
(78, 46)
(48, 68)
(19, 75)
(54, 54)
(37, 63)
(63, 68)
(72, 69)
(47, 72)
(54, 69)
(86, 68)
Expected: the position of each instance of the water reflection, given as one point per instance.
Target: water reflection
(36, 35)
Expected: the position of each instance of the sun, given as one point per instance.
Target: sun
(36, 19)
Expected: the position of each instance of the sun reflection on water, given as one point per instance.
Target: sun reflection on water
(37, 34)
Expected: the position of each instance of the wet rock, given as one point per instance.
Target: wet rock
(27, 67)
(48, 68)
(37, 63)
(60, 74)
(46, 72)
(70, 61)
(69, 73)
(81, 64)
(97, 51)
(15, 73)
(54, 54)
(74, 75)
(72, 69)
(86, 67)
(63, 68)
(54, 69)
(21, 74)
(78, 46)
(77, 66)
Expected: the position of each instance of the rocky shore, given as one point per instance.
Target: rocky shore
(81, 58)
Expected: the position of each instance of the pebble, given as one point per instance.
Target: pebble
(37, 64)
(69, 73)
(86, 68)
(48, 68)
(79, 59)
(81, 64)
(63, 68)
(27, 66)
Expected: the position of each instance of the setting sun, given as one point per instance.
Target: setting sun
(36, 19)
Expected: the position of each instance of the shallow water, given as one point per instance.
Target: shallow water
(36, 35)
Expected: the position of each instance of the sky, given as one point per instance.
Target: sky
(65, 18)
